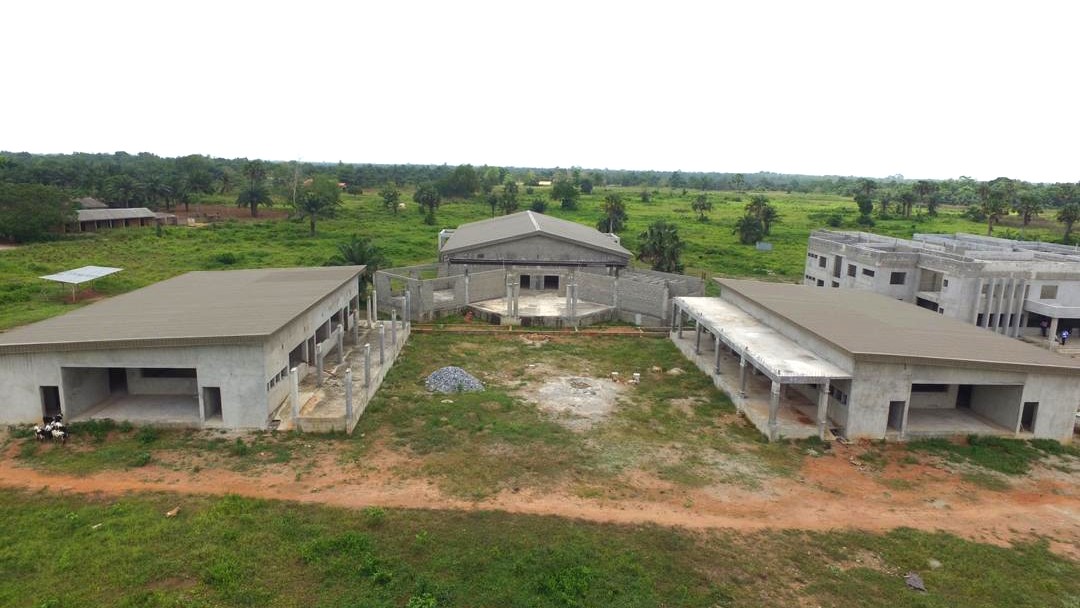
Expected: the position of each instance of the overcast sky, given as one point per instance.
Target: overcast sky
(926, 89)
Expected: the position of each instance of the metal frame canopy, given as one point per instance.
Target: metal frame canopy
(79, 276)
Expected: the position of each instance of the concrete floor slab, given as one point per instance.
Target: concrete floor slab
(164, 410)
(539, 304)
(796, 415)
(951, 421)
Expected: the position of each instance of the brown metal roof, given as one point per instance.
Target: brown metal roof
(874, 327)
(205, 307)
(527, 223)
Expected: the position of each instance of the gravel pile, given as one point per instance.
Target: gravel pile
(452, 380)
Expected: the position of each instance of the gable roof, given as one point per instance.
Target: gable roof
(873, 327)
(89, 202)
(133, 213)
(202, 307)
(528, 223)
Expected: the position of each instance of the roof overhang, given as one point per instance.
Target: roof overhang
(775, 355)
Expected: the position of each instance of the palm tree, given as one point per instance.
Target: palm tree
(391, 196)
(701, 205)
(614, 219)
(749, 229)
(925, 190)
(254, 194)
(360, 251)
(320, 198)
(760, 208)
(661, 245)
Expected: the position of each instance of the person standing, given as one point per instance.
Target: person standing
(1064, 336)
(1044, 325)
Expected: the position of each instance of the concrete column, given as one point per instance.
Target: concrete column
(977, 308)
(393, 328)
(356, 326)
(678, 322)
(615, 292)
(467, 300)
(1053, 328)
(367, 365)
(374, 314)
(742, 374)
(509, 297)
(697, 338)
(774, 411)
(569, 297)
(341, 346)
(294, 393)
(348, 399)
(408, 308)
(1018, 302)
(716, 354)
(822, 408)
(318, 366)
(991, 304)
(517, 298)
(304, 352)
(664, 301)
(1009, 286)
(382, 344)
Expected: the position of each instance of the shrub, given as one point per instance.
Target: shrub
(538, 205)
(864, 220)
(147, 435)
(140, 459)
(834, 221)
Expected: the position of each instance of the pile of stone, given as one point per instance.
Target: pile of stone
(452, 380)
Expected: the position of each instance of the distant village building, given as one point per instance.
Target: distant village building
(88, 202)
(204, 349)
(1007, 286)
(92, 220)
(801, 361)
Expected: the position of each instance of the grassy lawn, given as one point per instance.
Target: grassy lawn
(66, 552)
(146, 258)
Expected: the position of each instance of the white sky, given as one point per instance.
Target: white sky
(927, 89)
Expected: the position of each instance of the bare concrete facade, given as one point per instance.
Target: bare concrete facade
(201, 349)
(831, 360)
(1007, 286)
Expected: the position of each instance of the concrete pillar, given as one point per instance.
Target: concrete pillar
(382, 344)
(467, 300)
(822, 408)
(1018, 302)
(517, 298)
(356, 326)
(742, 374)
(305, 353)
(374, 314)
(393, 328)
(697, 338)
(664, 301)
(977, 308)
(678, 322)
(408, 308)
(1009, 287)
(318, 366)
(774, 411)
(348, 398)
(509, 297)
(367, 365)
(1053, 328)
(615, 292)
(294, 393)
(569, 297)
(716, 354)
(341, 346)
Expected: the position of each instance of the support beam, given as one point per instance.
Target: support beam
(678, 322)
(318, 365)
(1021, 316)
(822, 409)
(382, 344)
(341, 346)
(774, 411)
(393, 328)
(742, 374)
(697, 338)
(408, 308)
(978, 303)
(716, 354)
(1007, 287)
(367, 365)
(348, 398)
(1053, 328)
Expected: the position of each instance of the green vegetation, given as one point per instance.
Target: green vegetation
(31, 212)
(233, 551)
(1011, 456)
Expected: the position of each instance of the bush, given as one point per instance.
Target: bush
(538, 205)
(834, 221)
(226, 259)
(974, 213)
(140, 459)
(239, 448)
(864, 220)
(147, 435)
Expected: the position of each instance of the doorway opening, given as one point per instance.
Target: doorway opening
(50, 401)
(212, 402)
(896, 415)
(1027, 417)
(118, 384)
(526, 281)
(551, 281)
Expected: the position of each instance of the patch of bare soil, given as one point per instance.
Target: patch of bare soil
(576, 402)
(203, 213)
(830, 491)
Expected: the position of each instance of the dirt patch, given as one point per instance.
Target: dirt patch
(576, 402)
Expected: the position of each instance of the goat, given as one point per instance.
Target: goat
(59, 434)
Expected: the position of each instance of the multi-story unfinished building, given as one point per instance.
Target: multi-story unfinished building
(1011, 287)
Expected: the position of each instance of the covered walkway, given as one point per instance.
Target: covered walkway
(750, 361)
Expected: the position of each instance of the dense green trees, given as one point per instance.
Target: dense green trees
(992, 205)
(360, 251)
(391, 197)
(1069, 215)
(662, 247)
(564, 191)
(427, 198)
(32, 212)
(319, 198)
(255, 194)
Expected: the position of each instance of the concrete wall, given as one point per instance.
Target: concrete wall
(926, 400)
(239, 370)
(596, 288)
(84, 388)
(486, 285)
(1000, 404)
(1058, 397)
(139, 385)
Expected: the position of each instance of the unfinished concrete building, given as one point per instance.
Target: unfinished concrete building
(801, 361)
(209, 349)
(532, 269)
(1006, 286)
(92, 220)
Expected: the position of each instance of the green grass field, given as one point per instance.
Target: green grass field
(405, 239)
(69, 551)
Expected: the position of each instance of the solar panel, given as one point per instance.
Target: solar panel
(81, 275)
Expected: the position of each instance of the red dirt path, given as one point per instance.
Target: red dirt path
(831, 492)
